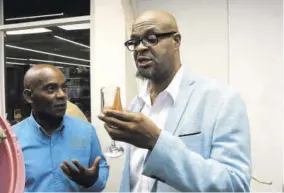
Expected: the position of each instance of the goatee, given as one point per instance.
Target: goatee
(145, 74)
(138, 75)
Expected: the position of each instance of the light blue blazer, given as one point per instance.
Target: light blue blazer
(205, 145)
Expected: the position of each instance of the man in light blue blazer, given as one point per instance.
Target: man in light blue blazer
(183, 133)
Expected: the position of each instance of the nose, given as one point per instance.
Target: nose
(61, 94)
(140, 47)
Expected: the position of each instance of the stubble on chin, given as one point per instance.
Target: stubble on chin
(145, 74)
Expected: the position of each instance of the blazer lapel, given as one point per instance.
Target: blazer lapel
(174, 116)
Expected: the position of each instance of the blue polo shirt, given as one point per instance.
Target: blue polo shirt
(43, 154)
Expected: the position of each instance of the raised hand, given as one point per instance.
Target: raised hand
(85, 177)
(130, 127)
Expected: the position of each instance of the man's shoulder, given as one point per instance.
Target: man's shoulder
(21, 124)
(209, 91)
(22, 129)
(210, 86)
(76, 123)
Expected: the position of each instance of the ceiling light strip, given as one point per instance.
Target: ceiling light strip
(73, 42)
(17, 63)
(50, 61)
(11, 58)
(81, 26)
(28, 31)
(57, 62)
(46, 23)
(47, 53)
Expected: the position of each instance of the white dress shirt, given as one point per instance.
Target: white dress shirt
(158, 113)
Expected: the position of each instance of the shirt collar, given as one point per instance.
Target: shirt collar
(172, 89)
(174, 86)
(144, 95)
(39, 128)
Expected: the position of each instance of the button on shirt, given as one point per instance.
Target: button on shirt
(158, 113)
(43, 154)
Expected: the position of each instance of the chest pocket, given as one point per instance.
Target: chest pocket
(194, 141)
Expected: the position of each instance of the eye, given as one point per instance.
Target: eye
(65, 88)
(133, 42)
(51, 88)
(152, 39)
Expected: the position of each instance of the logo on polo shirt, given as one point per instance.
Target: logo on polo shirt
(77, 142)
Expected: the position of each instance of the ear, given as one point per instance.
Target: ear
(177, 40)
(28, 95)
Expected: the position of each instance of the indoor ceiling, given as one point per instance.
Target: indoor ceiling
(56, 46)
(28, 8)
(65, 44)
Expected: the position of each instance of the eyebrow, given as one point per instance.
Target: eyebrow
(55, 84)
(50, 84)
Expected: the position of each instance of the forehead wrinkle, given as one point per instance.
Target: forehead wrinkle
(145, 23)
(155, 26)
(144, 26)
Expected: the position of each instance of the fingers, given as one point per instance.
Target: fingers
(79, 166)
(65, 170)
(96, 163)
(107, 107)
(70, 168)
(113, 121)
(121, 115)
(114, 133)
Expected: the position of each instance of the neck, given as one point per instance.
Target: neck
(158, 87)
(47, 122)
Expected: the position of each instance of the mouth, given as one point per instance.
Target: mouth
(144, 62)
(60, 106)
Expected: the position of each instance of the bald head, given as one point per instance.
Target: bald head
(162, 19)
(38, 74)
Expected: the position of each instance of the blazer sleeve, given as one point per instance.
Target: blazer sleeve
(228, 166)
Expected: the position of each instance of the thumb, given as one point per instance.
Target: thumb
(96, 162)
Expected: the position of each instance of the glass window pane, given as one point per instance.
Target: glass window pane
(17, 11)
(65, 47)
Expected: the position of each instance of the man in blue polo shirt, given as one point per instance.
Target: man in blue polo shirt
(62, 153)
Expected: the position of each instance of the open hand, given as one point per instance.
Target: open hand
(85, 177)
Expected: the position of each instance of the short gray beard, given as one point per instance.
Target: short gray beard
(139, 76)
(149, 77)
